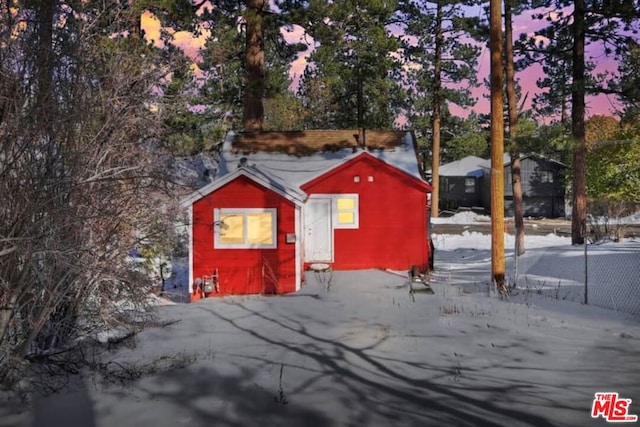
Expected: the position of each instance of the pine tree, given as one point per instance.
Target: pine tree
(441, 69)
(227, 84)
(464, 137)
(627, 86)
(612, 25)
(512, 107)
(352, 63)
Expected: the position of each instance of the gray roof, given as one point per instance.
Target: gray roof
(474, 166)
(507, 160)
(467, 166)
(284, 161)
(306, 155)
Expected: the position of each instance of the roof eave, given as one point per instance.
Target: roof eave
(295, 197)
(418, 181)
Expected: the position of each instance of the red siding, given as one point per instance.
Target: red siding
(393, 216)
(245, 271)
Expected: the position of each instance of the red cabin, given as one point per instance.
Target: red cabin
(282, 201)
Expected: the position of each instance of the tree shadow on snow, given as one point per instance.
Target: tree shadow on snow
(375, 390)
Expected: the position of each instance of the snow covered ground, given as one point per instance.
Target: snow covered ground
(365, 353)
(550, 267)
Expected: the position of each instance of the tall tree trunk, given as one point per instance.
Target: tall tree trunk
(360, 107)
(253, 117)
(134, 18)
(497, 149)
(579, 210)
(436, 115)
(516, 179)
(565, 95)
(45, 12)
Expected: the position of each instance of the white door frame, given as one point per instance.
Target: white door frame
(309, 240)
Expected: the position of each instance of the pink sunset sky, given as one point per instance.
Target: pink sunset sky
(600, 105)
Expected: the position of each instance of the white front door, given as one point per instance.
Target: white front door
(318, 236)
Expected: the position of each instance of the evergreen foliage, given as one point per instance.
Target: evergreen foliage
(458, 55)
(353, 78)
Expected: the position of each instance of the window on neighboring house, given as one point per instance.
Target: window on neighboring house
(469, 185)
(546, 176)
(245, 228)
(345, 210)
(446, 184)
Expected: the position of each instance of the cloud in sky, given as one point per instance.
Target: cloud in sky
(296, 34)
(183, 39)
(188, 43)
(151, 26)
(595, 105)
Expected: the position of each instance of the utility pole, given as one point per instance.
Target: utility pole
(497, 149)
(436, 121)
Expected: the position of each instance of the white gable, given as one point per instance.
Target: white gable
(254, 173)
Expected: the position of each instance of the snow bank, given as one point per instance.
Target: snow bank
(476, 240)
(631, 219)
(467, 217)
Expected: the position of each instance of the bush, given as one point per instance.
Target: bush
(604, 220)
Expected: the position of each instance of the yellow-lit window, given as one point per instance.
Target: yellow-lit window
(231, 229)
(346, 211)
(259, 228)
(245, 228)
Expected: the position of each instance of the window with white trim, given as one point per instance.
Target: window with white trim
(469, 185)
(345, 211)
(245, 228)
(546, 176)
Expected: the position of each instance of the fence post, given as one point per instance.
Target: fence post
(586, 272)
(515, 264)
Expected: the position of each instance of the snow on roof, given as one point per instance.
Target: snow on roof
(298, 157)
(473, 166)
(256, 174)
(469, 165)
(507, 159)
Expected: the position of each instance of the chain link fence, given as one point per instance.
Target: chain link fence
(604, 272)
(613, 277)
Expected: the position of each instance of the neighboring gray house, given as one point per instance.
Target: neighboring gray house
(466, 183)
(461, 183)
(543, 186)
